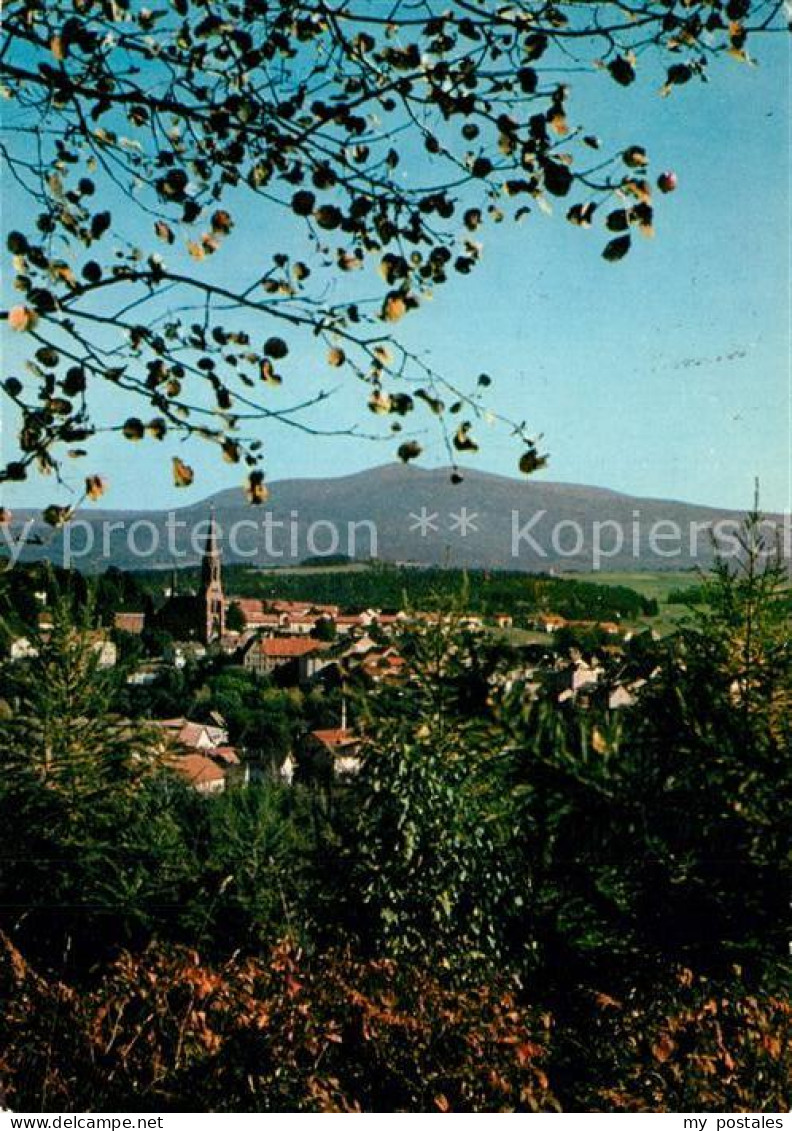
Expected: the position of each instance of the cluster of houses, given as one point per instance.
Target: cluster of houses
(551, 622)
(201, 754)
(299, 642)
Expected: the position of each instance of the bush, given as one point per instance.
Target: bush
(167, 1032)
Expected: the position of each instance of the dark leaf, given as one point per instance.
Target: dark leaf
(617, 249)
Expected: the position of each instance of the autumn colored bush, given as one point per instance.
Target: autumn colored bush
(166, 1032)
(702, 1047)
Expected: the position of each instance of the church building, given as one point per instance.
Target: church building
(199, 616)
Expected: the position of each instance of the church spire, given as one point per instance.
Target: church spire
(211, 591)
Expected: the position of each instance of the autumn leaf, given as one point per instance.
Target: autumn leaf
(394, 307)
(183, 474)
(463, 441)
(336, 357)
(17, 243)
(164, 232)
(641, 190)
(95, 487)
(55, 515)
(556, 119)
(434, 403)
(379, 402)
(598, 741)
(531, 461)
(221, 222)
(348, 262)
(328, 217)
(635, 157)
(100, 223)
(622, 69)
(268, 374)
(663, 1048)
(133, 429)
(383, 354)
(22, 318)
(410, 449)
(582, 214)
(642, 215)
(255, 489)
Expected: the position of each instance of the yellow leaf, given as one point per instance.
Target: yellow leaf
(256, 491)
(598, 741)
(55, 515)
(379, 402)
(383, 354)
(336, 357)
(268, 374)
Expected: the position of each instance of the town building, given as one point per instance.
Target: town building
(199, 616)
(264, 655)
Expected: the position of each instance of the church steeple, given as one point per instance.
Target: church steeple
(210, 593)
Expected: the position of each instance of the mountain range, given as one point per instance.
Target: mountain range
(396, 513)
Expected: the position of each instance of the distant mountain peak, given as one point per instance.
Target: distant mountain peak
(407, 514)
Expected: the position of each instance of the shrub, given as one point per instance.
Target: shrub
(166, 1032)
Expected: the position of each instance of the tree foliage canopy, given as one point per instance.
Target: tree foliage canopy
(377, 141)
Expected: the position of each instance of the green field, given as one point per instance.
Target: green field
(649, 583)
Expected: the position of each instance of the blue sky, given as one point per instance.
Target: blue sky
(667, 374)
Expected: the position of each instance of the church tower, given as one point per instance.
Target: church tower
(211, 602)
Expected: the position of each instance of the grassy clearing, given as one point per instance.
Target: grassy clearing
(649, 583)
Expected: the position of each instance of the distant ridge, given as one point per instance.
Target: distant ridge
(398, 513)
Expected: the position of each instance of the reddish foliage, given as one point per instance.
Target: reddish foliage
(163, 1031)
(166, 1032)
(701, 1047)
